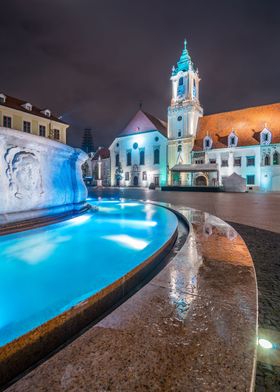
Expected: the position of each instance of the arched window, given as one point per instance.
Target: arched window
(128, 158)
(181, 81)
(232, 139)
(207, 143)
(156, 155)
(179, 148)
(142, 157)
(267, 160)
(265, 136)
(117, 160)
(276, 158)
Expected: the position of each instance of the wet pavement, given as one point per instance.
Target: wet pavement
(191, 328)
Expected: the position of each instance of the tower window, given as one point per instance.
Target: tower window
(179, 134)
(156, 156)
(179, 148)
(179, 118)
(156, 139)
(181, 81)
(135, 146)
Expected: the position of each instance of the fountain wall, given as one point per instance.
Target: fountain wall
(38, 177)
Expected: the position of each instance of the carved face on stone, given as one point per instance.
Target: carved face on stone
(26, 174)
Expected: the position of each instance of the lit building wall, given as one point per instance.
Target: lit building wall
(137, 174)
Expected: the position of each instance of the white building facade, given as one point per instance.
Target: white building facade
(196, 150)
(139, 154)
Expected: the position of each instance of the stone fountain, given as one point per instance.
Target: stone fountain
(38, 177)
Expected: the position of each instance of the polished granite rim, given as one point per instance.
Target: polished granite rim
(24, 352)
(192, 327)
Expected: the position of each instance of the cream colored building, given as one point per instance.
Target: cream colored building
(23, 116)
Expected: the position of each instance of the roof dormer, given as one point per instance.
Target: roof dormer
(232, 139)
(27, 106)
(265, 136)
(2, 98)
(46, 112)
(207, 143)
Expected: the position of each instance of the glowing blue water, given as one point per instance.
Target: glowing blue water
(47, 270)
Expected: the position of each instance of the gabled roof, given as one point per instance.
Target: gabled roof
(102, 152)
(247, 124)
(15, 103)
(144, 122)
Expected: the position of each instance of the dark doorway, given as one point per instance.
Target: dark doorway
(135, 180)
(201, 181)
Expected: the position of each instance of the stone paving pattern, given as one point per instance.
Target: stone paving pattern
(264, 248)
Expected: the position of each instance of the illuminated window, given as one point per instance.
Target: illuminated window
(144, 176)
(42, 130)
(250, 179)
(126, 176)
(128, 158)
(56, 134)
(276, 158)
(250, 161)
(156, 156)
(26, 126)
(212, 160)
(237, 161)
(142, 157)
(7, 122)
(117, 159)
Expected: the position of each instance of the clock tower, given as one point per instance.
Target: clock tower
(184, 111)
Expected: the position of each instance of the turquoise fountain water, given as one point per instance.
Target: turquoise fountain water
(48, 270)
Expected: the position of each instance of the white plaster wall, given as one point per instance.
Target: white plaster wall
(38, 173)
(147, 142)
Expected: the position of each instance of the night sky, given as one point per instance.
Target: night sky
(93, 61)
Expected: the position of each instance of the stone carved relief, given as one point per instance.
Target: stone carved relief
(24, 174)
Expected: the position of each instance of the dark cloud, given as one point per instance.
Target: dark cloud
(93, 61)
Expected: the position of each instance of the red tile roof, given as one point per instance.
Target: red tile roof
(103, 152)
(247, 124)
(15, 103)
(144, 122)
